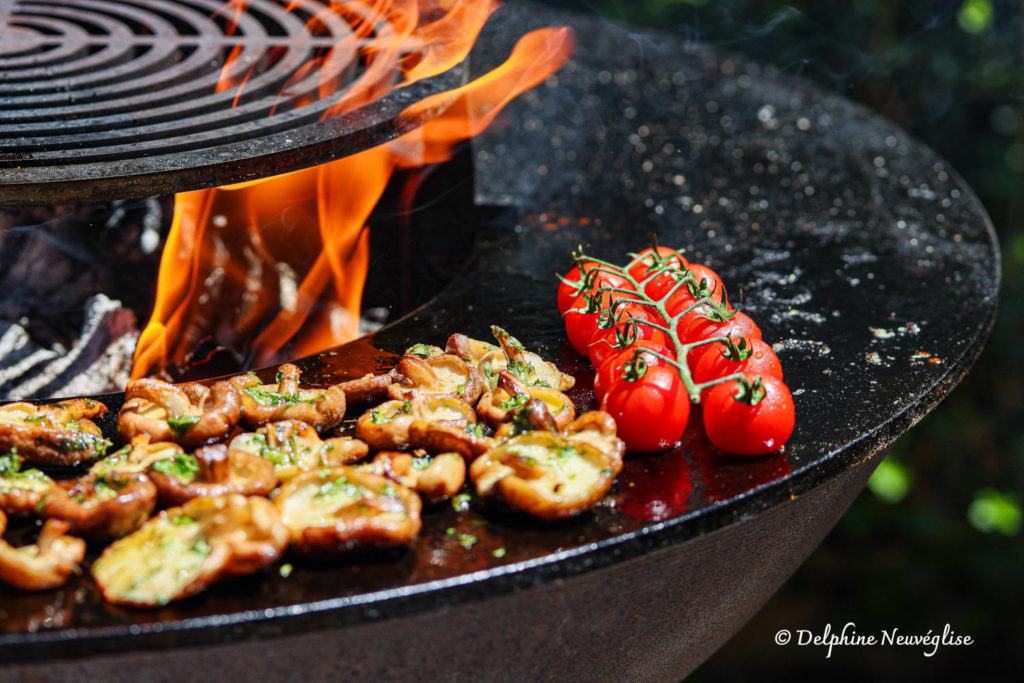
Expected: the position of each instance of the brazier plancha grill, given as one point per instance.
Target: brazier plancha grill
(830, 226)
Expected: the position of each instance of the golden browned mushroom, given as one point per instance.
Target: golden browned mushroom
(369, 388)
(511, 393)
(528, 367)
(213, 471)
(57, 434)
(286, 400)
(436, 478)
(545, 475)
(136, 457)
(598, 429)
(183, 550)
(468, 440)
(21, 490)
(531, 416)
(443, 375)
(341, 509)
(387, 426)
(293, 447)
(469, 350)
(190, 414)
(107, 506)
(47, 564)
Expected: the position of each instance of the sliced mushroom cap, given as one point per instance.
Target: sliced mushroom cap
(183, 550)
(47, 564)
(107, 506)
(60, 434)
(598, 429)
(287, 400)
(545, 475)
(342, 509)
(21, 490)
(468, 440)
(191, 414)
(444, 375)
(213, 471)
(369, 388)
(495, 406)
(436, 478)
(387, 426)
(136, 457)
(293, 447)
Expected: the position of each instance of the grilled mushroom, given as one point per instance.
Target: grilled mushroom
(294, 447)
(21, 490)
(466, 440)
(369, 388)
(47, 564)
(528, 367)
(343, 508)
(57, 434)
(531, 416)
(443, 375)
(136, 457)
(107, 506)
(286, 400)
(213, 471)
(387, 426)
(436, 478)
(495, 406)
(183, 550)
(190, 414)
(598, 429)
(545, 475)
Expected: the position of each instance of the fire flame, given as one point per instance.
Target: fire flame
(247, 264)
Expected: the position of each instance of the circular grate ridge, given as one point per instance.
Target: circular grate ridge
(106, 99)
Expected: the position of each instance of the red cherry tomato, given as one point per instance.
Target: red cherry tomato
(670, 263)
(610, 371)
(736, 427)
(605, 341)
(739, 325)
(651, 412)
(569, 293)
(706, 284)
(714, 363)
(580, 325)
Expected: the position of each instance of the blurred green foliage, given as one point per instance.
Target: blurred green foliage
(936, 538)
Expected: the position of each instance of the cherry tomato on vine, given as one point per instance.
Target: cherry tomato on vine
(738, 325)
(650, 411)
(715, 362)
(568, 293)
(706, 283)
(671, 264)
(751, 419)
(581, 324)
(605, 340)
(611, 369)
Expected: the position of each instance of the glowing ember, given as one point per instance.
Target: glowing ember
(275, 268)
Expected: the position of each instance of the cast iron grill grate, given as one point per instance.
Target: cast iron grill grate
(103, 99)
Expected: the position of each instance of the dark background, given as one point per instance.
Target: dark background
(935, 539)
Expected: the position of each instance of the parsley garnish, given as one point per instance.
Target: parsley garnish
(423, 351)
(182, 466)
(179, 423)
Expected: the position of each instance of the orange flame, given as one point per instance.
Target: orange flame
(246, 264)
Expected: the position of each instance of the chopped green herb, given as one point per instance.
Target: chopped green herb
(36, 418)
(517, 401)
(201, 547)
(467, 541)
(407, 407)
(461, 502)
(520, 369)
(340, 485)
(461, 390)
(474, 428)
(270, 398)
(179, 424)
(378, 418)
(421, 463)
(285, 571)
(498, 552)
(423, 351)
(182, 466)
(10, 467)
(182, 520)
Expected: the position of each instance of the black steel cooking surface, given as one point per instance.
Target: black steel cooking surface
(862, 255)
(103, 99)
